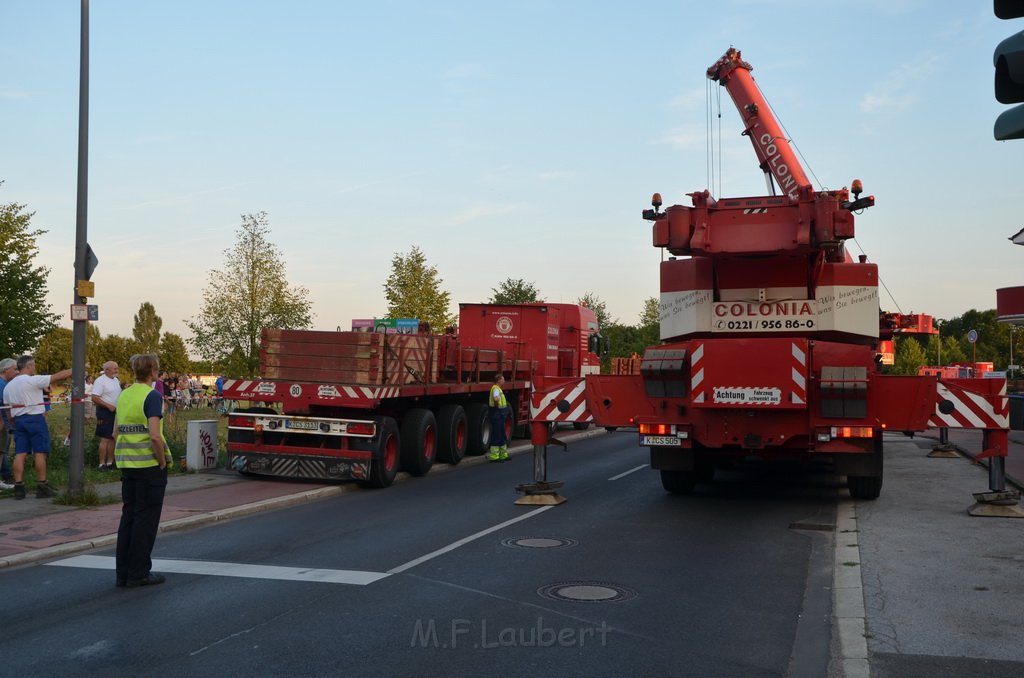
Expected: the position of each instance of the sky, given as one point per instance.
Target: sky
(505, 139)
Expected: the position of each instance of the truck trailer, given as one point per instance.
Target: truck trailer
(363, 405)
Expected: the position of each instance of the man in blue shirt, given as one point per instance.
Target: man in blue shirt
(220, 394)
(8, 370)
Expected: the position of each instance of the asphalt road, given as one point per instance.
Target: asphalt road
(623, 579)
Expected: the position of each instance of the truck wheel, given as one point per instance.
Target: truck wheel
(419, 441)
(478, 425)
(868, 487)
(678, 482)
(581, 425)
(864, 487)
(451, 434)
(384, 466)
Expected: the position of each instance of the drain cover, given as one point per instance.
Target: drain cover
(538, 542)
(587, 592)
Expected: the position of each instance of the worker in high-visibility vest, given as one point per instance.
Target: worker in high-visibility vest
(498, 408)
(142, 456)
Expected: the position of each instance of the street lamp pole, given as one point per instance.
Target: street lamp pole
(76, 458)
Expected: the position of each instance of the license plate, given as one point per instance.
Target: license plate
(304, 425)
(661, 441)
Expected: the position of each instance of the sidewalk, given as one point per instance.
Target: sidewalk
(941, 590)
(968, 442)
(36, 529)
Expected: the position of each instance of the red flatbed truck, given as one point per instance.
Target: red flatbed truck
(770, 332)
(362, 405)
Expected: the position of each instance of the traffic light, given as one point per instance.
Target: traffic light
(1009, 63)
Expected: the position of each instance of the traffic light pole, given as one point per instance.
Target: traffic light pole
(76, 461)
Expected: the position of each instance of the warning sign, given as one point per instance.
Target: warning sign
(746, 395)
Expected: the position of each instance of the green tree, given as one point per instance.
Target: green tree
(516, 291)
(146, 330)
(949, 352)
(93, 346)
(172, 354)
(24, 314)
(909, 356)
(53, 353)
(120, 350)
(247, 294)
(650, 323)
(600, 309)
(993, 337)
(413, 290)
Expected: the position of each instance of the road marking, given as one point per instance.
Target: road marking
(632, 470)
(465, 540)
(219, 569)
(356, 577)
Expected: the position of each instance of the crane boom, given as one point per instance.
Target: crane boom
(771, 146)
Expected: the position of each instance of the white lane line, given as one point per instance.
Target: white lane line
(632, 470)
(219, 569)
(465, 540)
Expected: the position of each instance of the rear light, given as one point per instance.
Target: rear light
(361, 429)
(246, 422)
(657, 429)
(852, 432)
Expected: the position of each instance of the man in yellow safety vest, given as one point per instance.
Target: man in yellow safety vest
(498, 407)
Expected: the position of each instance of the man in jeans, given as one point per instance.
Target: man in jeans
(8, 370)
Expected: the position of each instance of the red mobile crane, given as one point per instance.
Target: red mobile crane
(770, 332)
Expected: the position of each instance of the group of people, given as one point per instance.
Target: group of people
(129, 424)
(187, 392)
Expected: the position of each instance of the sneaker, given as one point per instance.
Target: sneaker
(43, 490)
(19, 490)
(149, 580)
(6, 486)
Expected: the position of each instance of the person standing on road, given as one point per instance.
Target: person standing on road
(8, 370)
(31, 434)
(105, 392)
(143, 457)
(498, 408)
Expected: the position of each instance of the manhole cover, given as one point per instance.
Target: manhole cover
(538, 542)
(587, 592)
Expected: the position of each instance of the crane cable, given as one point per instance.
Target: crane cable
(821, 186)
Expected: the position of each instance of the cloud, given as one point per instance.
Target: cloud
(182, 198)
(682, 137)
(557, 175)
(893, 91)
(465, 72)
(475, 212)
(689, 100)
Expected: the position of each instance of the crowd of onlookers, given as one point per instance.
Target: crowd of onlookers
(179, 392)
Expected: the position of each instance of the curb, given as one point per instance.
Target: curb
(230, 513)
(848, 595)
